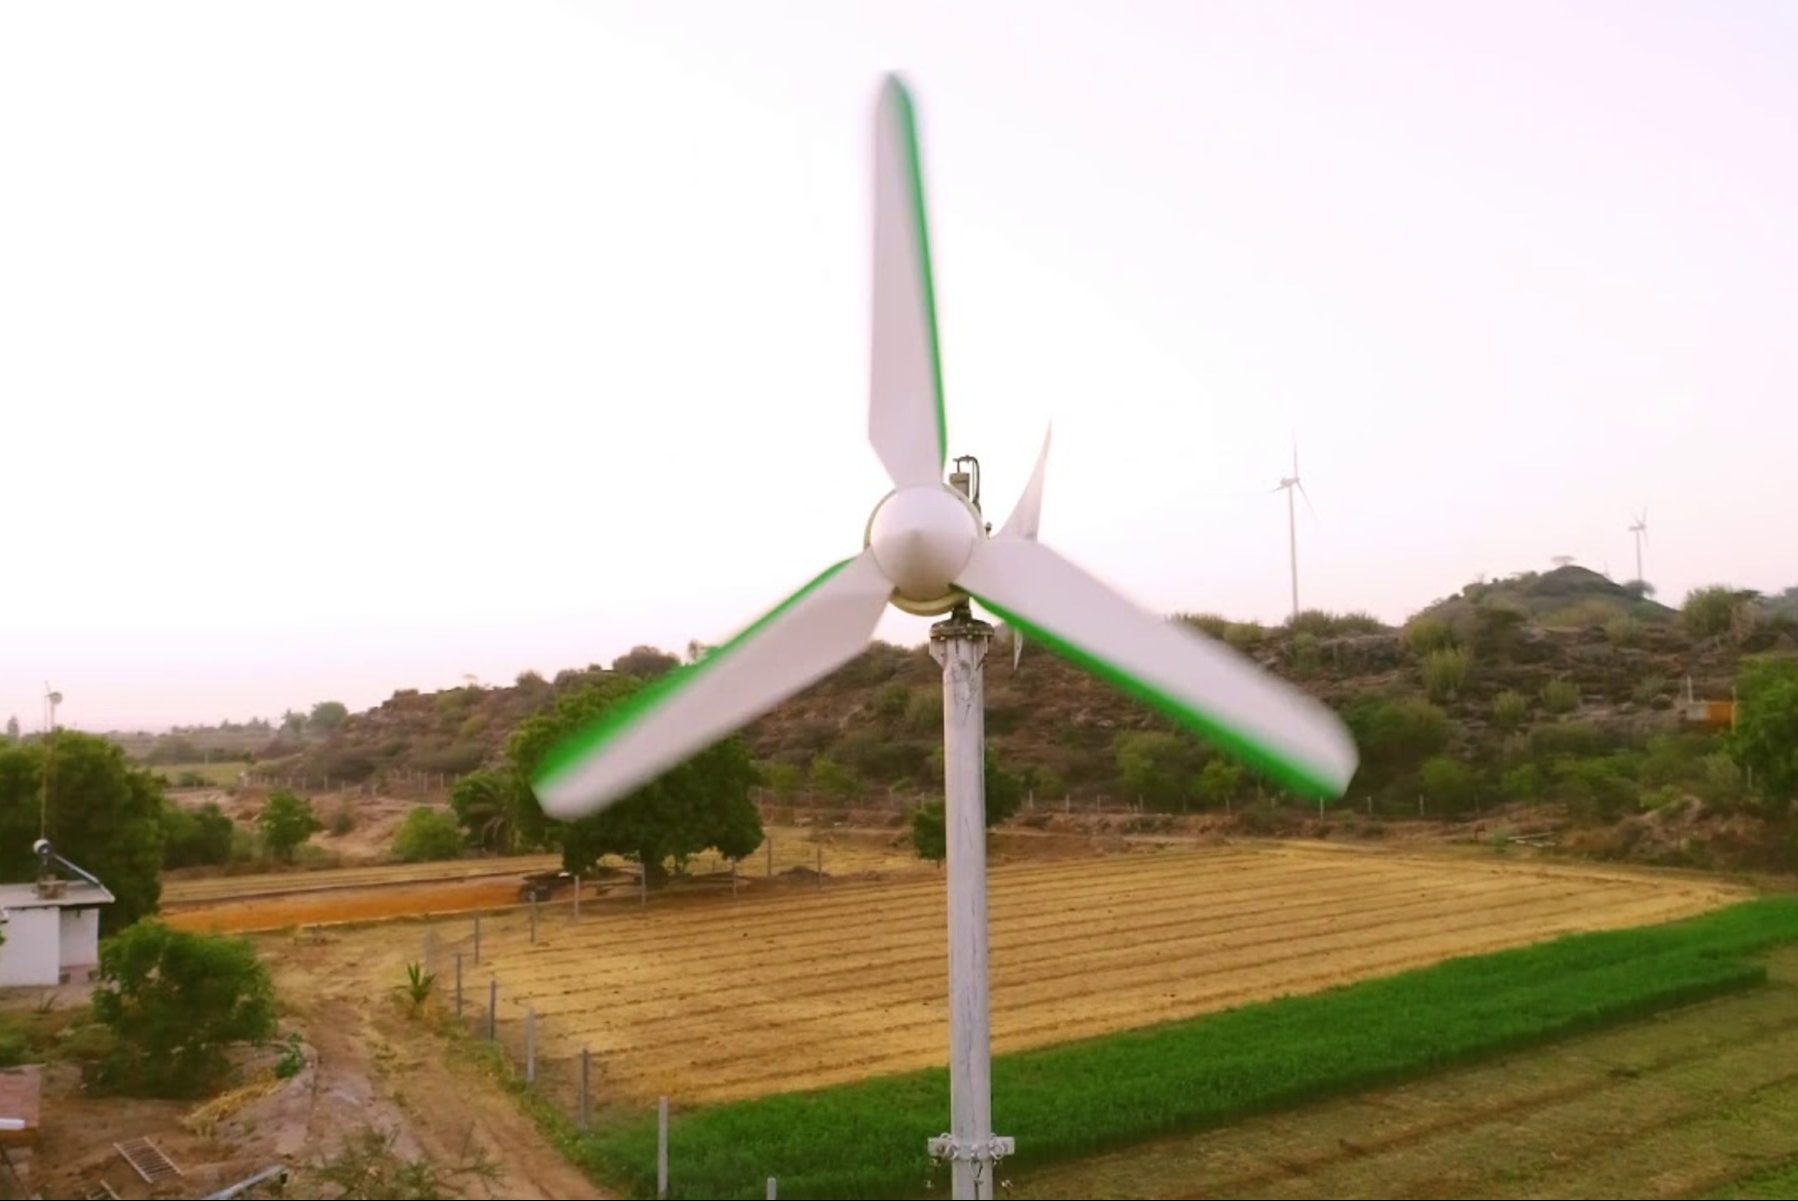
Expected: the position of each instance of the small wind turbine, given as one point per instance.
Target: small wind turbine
(1290, 485)
(927, 549)
(1639, 527)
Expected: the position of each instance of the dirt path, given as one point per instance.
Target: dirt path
(375, 1064)
(1679, 1105)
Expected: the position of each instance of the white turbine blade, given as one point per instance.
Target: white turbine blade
(1307, 497)
(1027, 516)
(905, 399)
(1200, 682)
(811, 633)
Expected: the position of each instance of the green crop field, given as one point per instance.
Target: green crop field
(866, 1139)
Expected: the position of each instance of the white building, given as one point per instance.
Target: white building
(52, 931)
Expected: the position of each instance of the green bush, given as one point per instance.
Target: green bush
(1245, 635)
(1765, 737)
(1523, 782)
(1649, 689)
(1580, 615)
(1623, 630)
(1509, 708)
(1445, 673)
(1217, 782)
(1425, 635)
(1560, 696)
(427, 835)
(343, 820)
(924, 711)
(833, 779)
(1448, 783)
(1155, 766)
(191, 838)
(1712, 611)
(891, 701)
(1307, 653)
(1209, 624)
(174, 1001)
(286, 822)
(1081, 1098)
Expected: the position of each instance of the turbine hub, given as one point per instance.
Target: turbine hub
(922, 537)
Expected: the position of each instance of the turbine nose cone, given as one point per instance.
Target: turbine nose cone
(921, 539)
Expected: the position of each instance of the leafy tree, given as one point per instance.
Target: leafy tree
(1523, 782)
(1765, 739)
(1155, 766)
(1218, 781)
(1395, 735)
(702, 803)
(175, 1000)
(287, 821)
(191, 838)
(327, 716)
(103, 814)
(293, 723)
(1640, 589)
(783, 778)
(12, 729)
(833, 779)
(1004, 793)
(486, 805)
(646, 662)
(427, 834)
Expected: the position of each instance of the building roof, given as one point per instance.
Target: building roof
(68, 894)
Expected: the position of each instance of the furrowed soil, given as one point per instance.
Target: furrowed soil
(802, 988)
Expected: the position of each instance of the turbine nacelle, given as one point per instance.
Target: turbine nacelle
(922, 538)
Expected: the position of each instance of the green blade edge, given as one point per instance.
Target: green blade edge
(908, 125)
(1290, 773)
(563, 755)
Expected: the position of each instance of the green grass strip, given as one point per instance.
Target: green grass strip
(866, 1139)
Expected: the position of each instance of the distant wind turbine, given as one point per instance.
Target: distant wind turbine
(1639, 527)
(1291, 484)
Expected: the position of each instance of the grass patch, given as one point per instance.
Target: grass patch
(867, 1139)
(1779, 1183)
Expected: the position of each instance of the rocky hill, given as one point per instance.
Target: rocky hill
(1534, 667)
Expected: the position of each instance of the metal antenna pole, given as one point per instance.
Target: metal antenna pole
(960, 644)
(1292, 542)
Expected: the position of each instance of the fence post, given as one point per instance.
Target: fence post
(577, 898)
(733, 879)
(493, 1009)
(533, 917)
(530, 1046)
(458, 984)
(586, 1059)
(820, 865)
(772, 1193)
(662, 1146)
(771, 856)
(643, 881)
(477, 938)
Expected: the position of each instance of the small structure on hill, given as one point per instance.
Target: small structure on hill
(52, 927)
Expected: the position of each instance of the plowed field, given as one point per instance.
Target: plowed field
(801, 989)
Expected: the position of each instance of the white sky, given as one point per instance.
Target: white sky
(347, 347)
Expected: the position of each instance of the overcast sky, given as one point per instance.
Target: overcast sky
(350, 347)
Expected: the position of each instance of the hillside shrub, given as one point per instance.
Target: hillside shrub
(1712, 611)
(1245, 635)
(1509, 708)
(924, 711)
(1523, 782)
(1560, 695)
(1445, 673)
(1217, 783)
(1581, 615)
(1623, 630)
(1424, 635)
(286, 822)
(1448, 783)
(1650, 689)
(832, 778)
